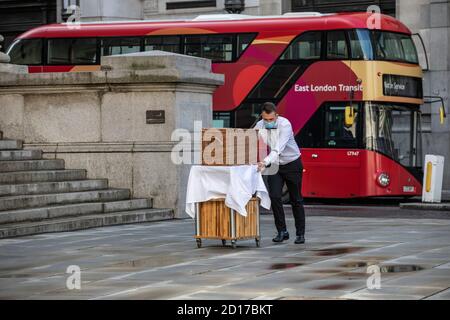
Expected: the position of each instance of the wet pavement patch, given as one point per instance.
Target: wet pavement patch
(356, 264)
(336, 251)
(360, 264)
(335, 286)
(283, 266)
(353, 275)
(16, 275)
(326, 271)
(400, 268)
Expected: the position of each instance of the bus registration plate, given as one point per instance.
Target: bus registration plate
(409, 189)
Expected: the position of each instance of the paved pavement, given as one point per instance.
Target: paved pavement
(160, 261)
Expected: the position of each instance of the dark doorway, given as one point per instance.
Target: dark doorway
(16, 17)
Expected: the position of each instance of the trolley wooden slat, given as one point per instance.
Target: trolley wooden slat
(214, 220)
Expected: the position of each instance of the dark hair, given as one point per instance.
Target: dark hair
(268, 107)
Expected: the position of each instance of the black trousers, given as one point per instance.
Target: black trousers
(291, 174)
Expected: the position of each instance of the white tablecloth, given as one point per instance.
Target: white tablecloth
(237, 184)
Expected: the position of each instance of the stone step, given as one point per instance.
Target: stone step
(41, 176)
(52, 187)
(85, 222)
(127, 205)
(37, 214)
(11, 144)
(42, 200)
(68, 210)
(31, 165)
(8, 155)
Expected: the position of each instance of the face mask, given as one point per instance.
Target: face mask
(270, 125)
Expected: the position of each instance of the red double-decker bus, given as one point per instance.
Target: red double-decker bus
(353, 94)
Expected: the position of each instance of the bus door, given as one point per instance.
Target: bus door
(333, 166)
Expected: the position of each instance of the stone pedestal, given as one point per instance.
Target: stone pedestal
(7, 68)
(4, 58)
(104, 121)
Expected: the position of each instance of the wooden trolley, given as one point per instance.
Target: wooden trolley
(214, 220)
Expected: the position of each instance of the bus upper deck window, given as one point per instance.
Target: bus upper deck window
(337, 45)
(392, 46)
(26, 52)
(163, 43)
(115, 46)
(82, 51)
(307, 46)
(360, 44)
(215, 47)
(244, 41)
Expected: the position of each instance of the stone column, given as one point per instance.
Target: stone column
(116, 123)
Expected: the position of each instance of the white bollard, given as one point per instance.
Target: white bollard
(432, 178)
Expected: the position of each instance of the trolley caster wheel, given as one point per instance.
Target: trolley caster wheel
(258, 243)
(199, 243)
(233, 244)
(224, 243)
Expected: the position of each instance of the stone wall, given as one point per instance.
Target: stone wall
(97, 120)
(107, 10)
(156, 9)
(431, 19)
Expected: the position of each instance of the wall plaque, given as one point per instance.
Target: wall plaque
(155, 116)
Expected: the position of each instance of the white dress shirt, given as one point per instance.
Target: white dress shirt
(283, 147)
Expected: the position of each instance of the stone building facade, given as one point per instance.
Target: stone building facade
(431, 19)
(19, 16)
(116, 123)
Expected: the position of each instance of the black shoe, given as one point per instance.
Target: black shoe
(281, 236)
(300, 240)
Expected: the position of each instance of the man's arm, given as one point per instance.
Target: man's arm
(284, 133)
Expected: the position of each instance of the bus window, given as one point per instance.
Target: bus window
(311, 135)
(244, 41)
(390, 130)
(247, 115)
(336, 45)
(361, 44)
(409, 49)
(222, 119)
(214, 47)
(307, 46)
(165, 43)
(280, 78)
(395, 47)
(339, 134)
(82, 51)
(115, 46)
(26, 52)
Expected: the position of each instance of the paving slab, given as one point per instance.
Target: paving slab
(160, 260)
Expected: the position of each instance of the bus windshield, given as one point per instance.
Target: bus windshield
(26, 52)
(382, 45)
(394, 46)
(393, 130)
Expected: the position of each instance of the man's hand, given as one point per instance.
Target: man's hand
(261, 166)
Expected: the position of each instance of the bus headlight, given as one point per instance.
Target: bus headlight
(384, 180)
